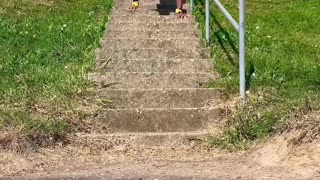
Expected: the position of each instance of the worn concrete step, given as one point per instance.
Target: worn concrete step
(148, 19)
(151, 12)
(151, 80)
(134, 140)
(152, 4)
(146, 53)
(146, 2)
(161, 98)
(168, 26)
(130, 34)
(117, 43)
(160, 120)
(149, 1)
(146, 5)
(155, 65)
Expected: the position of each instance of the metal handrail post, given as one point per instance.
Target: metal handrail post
(242, 49)
(242, 38)
(208, 21)
(191, 6)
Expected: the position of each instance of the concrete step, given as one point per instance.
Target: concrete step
(155, 65)
(132, 140)
(143, 5)
(161, 98)
(151, 80)
(167, 26)
(160, 120)
(130, 34)
(150, 1)
(117, 43)
(148, 19)
(151, 12)
(146, 53)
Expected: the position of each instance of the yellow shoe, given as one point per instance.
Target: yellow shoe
(135, 4)
(178, 11)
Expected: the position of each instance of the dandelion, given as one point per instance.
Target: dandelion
(64, 26)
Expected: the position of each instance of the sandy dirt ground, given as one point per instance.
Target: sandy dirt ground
(274, 159)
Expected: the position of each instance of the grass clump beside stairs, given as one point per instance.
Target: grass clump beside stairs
(283, 64)
(47, 48)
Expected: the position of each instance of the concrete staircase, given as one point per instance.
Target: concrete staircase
(152, 68)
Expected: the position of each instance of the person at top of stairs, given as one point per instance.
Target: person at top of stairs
(179, 12)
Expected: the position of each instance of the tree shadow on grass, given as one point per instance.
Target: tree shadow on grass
(224, 40)
(226, 43)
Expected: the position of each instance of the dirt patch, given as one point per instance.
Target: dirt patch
(72, 158)
(303, 159)
(297, 150)
(272, 160)
(75, 162)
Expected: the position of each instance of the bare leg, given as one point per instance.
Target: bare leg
(179, 12)
(179, 4)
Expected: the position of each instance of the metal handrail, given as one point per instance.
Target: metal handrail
(240, 29)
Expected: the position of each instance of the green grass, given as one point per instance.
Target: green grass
(47, 49)
(283, 63)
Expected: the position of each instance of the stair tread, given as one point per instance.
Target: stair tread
(144, 53)
(160, 119)
(146, 139)
(151, 80)
(161, 98)
(151, 43)
(156, 65)
(99, 135)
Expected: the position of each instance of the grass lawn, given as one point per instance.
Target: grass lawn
(47, 48)
(283, 63)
